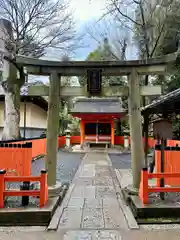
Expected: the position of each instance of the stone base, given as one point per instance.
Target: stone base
(153, 213)
(54, 191)
(132, 190)
(29, 216)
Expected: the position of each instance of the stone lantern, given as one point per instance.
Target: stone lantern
(68, 136)
(126, 139)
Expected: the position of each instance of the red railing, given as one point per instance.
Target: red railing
(145, 189)
(42, 193)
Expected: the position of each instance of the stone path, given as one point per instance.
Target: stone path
(93, 204)
(91, 210)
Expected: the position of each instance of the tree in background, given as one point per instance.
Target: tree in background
(36, 25)
(149, 23)
(103, 52)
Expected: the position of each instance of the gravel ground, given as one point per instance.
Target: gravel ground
(121, 161)
(170, 199)
(67, 166)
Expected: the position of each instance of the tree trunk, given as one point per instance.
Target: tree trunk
(12, 111)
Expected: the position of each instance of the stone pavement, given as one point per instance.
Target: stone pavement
(91, 210)
(92, 203)
(91, 235)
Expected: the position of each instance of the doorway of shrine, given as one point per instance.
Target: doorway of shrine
(98, 132)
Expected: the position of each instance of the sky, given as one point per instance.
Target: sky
(85, 10)
(86, 13)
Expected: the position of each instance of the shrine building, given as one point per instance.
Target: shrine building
(97, 119)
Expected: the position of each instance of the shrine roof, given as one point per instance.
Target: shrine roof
(98, 106)
(168, 103)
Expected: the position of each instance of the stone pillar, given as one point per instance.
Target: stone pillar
(126, 142)
(53, 127)
(137, 151)
(68, 138)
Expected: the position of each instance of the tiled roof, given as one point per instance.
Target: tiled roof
(165, 102)
(98, 105)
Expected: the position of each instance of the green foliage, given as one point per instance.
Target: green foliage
(103, 53)
(66, 121)
(174, 81)
(156, 29)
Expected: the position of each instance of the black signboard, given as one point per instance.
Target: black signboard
(94, 77)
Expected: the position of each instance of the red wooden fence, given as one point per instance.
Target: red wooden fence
(16, 158)
(145, 188)
(171, 165)
(42, 193)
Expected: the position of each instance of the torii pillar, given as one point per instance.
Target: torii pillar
(137, 151)
(53, 127)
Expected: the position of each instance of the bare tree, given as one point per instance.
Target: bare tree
(32, 26)
(117, 36)
(39, 24)
(145, 18)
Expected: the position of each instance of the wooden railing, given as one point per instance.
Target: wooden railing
(145, 189)
(42, 193)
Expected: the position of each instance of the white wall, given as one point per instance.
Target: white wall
(36, 119)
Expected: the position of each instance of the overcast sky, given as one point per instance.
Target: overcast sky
(85, 10)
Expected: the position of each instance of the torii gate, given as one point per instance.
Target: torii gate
(56, 69)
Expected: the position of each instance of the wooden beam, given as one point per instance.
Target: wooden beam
(137, 151)
(42, 90)
(53, 128)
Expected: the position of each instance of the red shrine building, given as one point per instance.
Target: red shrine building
(97, 117)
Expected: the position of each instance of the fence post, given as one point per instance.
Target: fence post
(43, 186)
(143, 191)
(2, 187)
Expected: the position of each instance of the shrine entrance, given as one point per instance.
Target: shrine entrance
(97, 117)
(94, 70)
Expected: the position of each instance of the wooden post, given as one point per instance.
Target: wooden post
(163, 144)
(112, 133)
(82, 126)
(137, 151)
(53, 127)
(146, 136)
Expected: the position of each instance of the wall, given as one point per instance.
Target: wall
(36, 119)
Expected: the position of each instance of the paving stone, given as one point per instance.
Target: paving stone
(71, 218)
(103, 181)
(102, 163)
(76, 202)
(88, 170)
(107, 235)
(105, 192)
(114, 218)
(84, 181)
(93, 203)
(102, 171)
(78, 235)
(92, 218)
(110, 202)
(84, 192)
